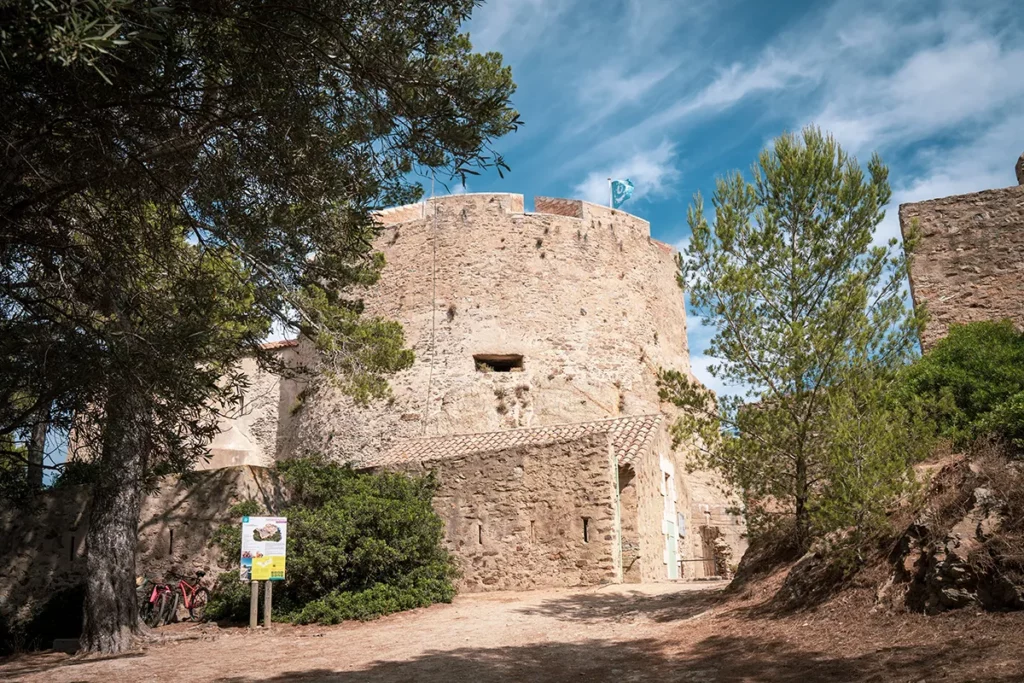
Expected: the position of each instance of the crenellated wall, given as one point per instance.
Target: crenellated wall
(584, 294)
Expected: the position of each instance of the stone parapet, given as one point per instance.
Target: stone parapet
(969, 265)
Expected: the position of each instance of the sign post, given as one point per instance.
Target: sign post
(264, 544)
(254, 603)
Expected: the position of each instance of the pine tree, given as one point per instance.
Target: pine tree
(810, 322)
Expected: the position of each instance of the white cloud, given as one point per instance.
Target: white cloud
(943, 88)
(514, 26)
(982, 161)
(652, 172)
(611, 87)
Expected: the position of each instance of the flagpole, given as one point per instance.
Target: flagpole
(609, 193)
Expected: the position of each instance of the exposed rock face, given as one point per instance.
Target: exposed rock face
(948, 566)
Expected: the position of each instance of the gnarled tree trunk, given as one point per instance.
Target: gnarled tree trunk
(111, 609)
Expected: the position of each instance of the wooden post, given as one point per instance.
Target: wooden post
(254, 603)
(267, 603)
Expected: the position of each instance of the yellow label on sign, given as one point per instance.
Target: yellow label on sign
(268, 568)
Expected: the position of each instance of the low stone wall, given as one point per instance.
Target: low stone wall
(514, 518)
(43, 545)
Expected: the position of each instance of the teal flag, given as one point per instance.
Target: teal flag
(621, 191)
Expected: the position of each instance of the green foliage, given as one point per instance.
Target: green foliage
(420, 590)
(14, 487)
(187, 173)
(868, 449)
(809, 318)
(359, 545)
(77, 473)
(972, 383)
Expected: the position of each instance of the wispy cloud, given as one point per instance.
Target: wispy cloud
(515, 27)
(652, 171)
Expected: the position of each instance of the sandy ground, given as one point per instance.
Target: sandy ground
(663, 632)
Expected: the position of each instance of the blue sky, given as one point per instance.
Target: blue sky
(673, 94)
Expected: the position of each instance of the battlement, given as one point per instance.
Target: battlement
(509, 203)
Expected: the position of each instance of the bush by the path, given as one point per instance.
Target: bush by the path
(360, 545)
(972, 383)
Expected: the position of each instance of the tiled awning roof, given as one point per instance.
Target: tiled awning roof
(629, 436)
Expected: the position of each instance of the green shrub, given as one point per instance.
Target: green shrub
(360, 545)
(972, 383)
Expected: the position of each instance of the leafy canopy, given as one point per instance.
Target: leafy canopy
(810, 321)
(177, 175)
(262, 136)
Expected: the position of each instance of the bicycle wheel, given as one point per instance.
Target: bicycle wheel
(198, 609)
(172, 608)
(158, 610)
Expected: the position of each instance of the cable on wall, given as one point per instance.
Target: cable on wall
(433, 305)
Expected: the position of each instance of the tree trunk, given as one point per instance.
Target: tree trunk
(111, 609)
(803, 526)
(37, 449)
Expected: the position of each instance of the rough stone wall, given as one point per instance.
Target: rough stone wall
(651, 493)
(258, 431)
(591, 303)
(629, 525)
(970, 262)
(514, 518)
(710, 507)
(43, 547)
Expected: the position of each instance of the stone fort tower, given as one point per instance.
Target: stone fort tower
(538, 339)
(517, 320)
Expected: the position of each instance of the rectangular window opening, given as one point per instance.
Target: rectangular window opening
(480, 534)
(586, 529)
(498, 362)
(170, 546)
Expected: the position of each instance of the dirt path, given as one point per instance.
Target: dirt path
(665, 632)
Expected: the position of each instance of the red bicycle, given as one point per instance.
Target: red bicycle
(161, 606)
(194, 597)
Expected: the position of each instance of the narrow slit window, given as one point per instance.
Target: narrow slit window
(498, 362)
(170, 546)
(586, 529)
(480, 534)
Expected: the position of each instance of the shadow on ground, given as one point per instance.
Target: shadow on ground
(25, 664)
(627, 606)
(717, 658)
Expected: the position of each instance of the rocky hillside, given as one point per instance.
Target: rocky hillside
(960, 543)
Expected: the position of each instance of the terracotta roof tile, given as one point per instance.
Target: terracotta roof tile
(629, 436)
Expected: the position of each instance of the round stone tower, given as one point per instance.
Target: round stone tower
(516, 319)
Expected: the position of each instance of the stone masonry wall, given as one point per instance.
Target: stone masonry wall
(629, 525)
(43, 546)
(970, 262)
(591, 303)
(259, 430)
(651, 506)
(514, 518)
